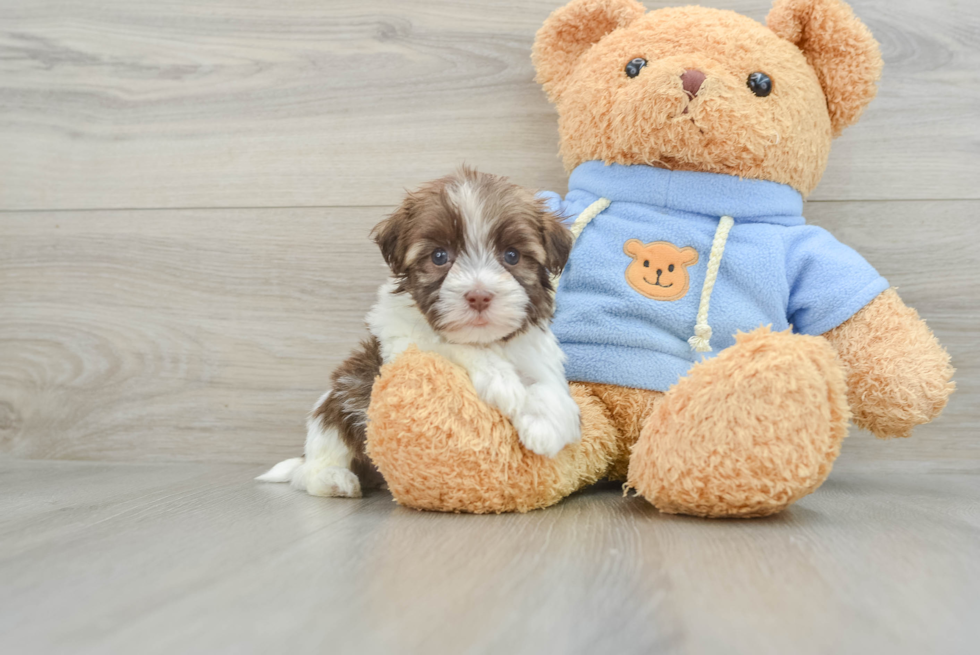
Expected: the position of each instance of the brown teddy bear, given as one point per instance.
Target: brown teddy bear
(717, 345)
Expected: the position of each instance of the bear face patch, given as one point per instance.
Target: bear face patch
(659, 269)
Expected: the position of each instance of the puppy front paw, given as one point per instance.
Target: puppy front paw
(549, 422)
(501, 388)
(334, 481)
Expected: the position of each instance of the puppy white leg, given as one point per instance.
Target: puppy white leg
(549, 420)
(496, 381)
(326, 469)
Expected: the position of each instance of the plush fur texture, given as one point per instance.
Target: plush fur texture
(439, 448)
(898, 374)
(745, 433)
(756, 428)
(818, 55)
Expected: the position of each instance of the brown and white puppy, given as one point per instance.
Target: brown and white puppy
(471, 258)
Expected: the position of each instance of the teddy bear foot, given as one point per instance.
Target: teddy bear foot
(747, 433)
(440, 448)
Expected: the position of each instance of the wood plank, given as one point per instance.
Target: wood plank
(176, 335)
(203, 559)
(207, 334)
(114, 103)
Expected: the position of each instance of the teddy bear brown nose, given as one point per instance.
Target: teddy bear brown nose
(692, 79)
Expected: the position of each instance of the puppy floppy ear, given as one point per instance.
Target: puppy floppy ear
(570, 31)
(558, 242)
(390, 235)
(840, 49)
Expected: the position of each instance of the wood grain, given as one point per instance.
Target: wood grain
(206, 335)
(191, 558)
(122, 104)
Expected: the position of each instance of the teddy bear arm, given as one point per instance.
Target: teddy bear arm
(439, 447)
(898, 374)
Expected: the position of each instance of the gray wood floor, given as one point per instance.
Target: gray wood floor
(185, 195)
(188, 558)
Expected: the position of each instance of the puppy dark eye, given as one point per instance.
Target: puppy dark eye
(670, 269)
(633, 68)
(511, 256)
(646, 263)
(760, 84)
(440, 257)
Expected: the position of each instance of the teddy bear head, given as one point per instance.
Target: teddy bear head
(698, 89)
(659, 269)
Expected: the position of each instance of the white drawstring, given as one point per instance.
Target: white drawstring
(700, 342)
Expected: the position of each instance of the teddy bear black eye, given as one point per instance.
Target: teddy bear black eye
(760, 84)
(512, 256)
(670, 269)
(440, 257)
(633, 68)
(646, 263)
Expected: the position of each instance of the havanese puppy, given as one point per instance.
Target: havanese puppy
(472, 258)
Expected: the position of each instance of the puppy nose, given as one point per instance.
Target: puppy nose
(478, 300)
(692, 79)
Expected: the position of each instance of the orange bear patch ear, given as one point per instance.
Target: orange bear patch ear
(570, 31)
(690, 256)
(840, 49)
(633, 247)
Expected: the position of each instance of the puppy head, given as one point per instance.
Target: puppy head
(476, 253)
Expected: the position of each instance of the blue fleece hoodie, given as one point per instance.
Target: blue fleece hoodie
(775, 270)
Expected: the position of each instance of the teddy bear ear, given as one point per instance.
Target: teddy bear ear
(633, 247)
(840, 49)
(570, 31)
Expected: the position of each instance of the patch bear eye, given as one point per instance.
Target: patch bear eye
(760, 84)
(646, 263)
(670, 269)
(633, 68)
(440, 257)
(512, 256)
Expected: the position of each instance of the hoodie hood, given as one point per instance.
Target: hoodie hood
(707, 194)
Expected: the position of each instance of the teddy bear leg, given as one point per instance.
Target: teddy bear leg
(440, 448)
(628, 409)
(746, 433)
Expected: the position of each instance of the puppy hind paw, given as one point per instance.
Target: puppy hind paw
(334, 482)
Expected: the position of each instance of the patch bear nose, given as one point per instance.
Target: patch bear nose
(478, 300)
(692, 79)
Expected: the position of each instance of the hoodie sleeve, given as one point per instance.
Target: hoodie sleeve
(557, 205)
(828, 281)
